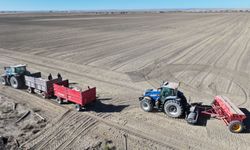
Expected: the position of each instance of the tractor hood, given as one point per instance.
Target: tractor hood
(154, 94)
(151, 91)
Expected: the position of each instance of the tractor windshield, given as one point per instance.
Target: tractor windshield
(20, 70)
(165, 92)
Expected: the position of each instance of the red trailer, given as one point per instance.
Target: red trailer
(79, 97)
(224, 109)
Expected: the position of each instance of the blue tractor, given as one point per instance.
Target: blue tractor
(167, 98)
(14, 76)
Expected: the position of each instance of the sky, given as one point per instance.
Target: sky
(38, 5)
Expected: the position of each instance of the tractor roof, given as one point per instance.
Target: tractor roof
(19, 65)
(172, 85)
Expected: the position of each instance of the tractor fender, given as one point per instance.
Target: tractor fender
(2, 75)
(171, 98)
(141, 98)
(146, 97)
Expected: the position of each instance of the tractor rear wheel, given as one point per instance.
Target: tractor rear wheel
(235, 126)
(173, 108)
(3, 80)
(146, 104)
(15, 82)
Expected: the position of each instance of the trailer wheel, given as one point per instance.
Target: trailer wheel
(78, 107)
(235, 126)
(15, 82)
(59, 100)
(30, 90)
(44, 95)
(146, 104)
(173, 108)
(3, 80)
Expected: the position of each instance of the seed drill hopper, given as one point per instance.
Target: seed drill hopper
(223, 109)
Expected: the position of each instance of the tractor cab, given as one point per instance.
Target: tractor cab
(167, 98)
(15, 70)
(14, 76)
(168, 90)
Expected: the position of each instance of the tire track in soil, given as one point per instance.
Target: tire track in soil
(244, 92)
(211, 36)
(218, 26)
(237, 69)
(85, 128)
(156, 65)
(237, 38)
(224, 31)
(231, 28)
(174, 52)
(54, 131)
(217, 59)
(82, 128)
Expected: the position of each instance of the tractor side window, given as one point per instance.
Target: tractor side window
(20, 70)
(8, 70)
(172, 92)
(12, 70)
(175, 92)
(165, 92)
(168, 92)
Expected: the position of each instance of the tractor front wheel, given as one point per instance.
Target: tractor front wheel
(15, 82)
(173, 108)
(146, 104)
(235, 126)
(3, 80)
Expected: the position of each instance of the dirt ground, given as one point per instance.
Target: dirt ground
(18, 122)
(122, 55)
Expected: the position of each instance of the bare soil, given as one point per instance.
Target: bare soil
(17, 123)
(122, 55)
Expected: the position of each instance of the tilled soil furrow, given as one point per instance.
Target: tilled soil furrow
(57, 129)
(80, 132)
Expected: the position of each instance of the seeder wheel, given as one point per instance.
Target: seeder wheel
(235, 126)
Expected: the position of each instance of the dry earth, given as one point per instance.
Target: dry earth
(122, 55)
